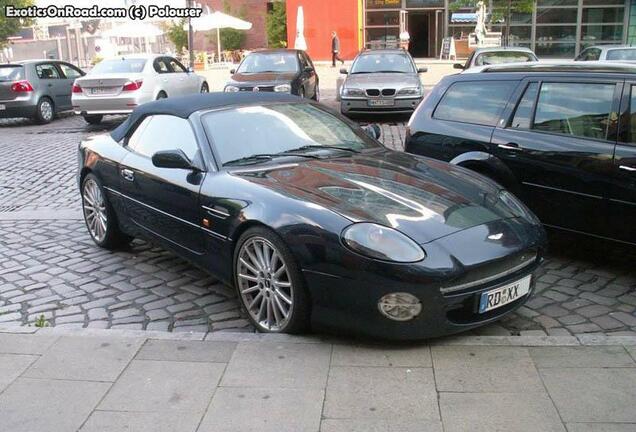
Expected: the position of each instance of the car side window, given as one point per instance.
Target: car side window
(478, 102)
(69, 71)
(525, 108)
(47, 71)
(160, 65)
(631, 121)
(576, 109)
(176, 66)
(589, 54)
(163, 132)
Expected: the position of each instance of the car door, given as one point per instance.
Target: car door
(559, 144)
(188, 82)
(164, 78)
(163, 202)
(69, 74)
(52, 84)
(622, 209)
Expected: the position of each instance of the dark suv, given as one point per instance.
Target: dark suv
(562, 137)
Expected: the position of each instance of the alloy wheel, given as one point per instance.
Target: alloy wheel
(264, 284)
(46, 110)
(94, 210)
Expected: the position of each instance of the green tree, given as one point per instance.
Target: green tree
(500, 10)
(232, 39)
(177, 34)
(276, 24)
(10, 26)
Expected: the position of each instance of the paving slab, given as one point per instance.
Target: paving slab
(156, 386)
(593, 394)
(380, 425)
(583, 356)
(632, 351)
(485, 369)
(238, 409)
(488, 412)
(31, 405)
(278, 365)
(601, 427)
(381, 392)
(191, 351)
(12, 366)
(25, 343)
(115, 421)
(85, 358)
(381, 355)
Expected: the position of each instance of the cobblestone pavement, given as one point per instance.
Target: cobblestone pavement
(50, 270)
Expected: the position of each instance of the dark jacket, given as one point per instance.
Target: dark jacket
(335, 44)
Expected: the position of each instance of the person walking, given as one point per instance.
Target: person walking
(335, 49)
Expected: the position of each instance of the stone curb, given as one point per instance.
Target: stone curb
(41, 214)
(530, 341)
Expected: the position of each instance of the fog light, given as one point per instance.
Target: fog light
(400, 306)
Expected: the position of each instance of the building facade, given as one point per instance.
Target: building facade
(555, 28)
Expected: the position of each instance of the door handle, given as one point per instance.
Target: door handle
(128, 174)
(510, 146)
(627, 168)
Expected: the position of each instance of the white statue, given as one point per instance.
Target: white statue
(480, 27)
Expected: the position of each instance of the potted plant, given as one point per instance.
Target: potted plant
(200, 59)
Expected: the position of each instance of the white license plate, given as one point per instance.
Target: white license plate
(381, 102)
(3, 107)
(103, 90)
(503, 295)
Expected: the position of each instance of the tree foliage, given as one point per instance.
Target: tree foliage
(176, 34)
(11, 26)
(232, 39)
(276, 24)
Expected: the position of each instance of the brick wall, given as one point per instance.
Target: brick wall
(255, 12)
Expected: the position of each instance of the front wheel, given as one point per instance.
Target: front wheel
(99, 215)
(269, 283)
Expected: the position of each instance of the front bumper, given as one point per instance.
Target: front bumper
(25, 106)
(119, 104)
(361, 105)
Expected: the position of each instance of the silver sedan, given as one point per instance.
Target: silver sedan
(118, 85)
(381, 81)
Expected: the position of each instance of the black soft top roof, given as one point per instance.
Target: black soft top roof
(184, 106)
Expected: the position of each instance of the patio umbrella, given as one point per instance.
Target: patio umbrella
(134, 29)
(300, 42)
(218, 20)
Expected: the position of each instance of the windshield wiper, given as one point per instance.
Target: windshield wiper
(390, 71)
(320, 147)
(268, 156)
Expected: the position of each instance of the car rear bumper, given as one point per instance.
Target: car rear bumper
(361, 106)
(120, 104)
(21, 107)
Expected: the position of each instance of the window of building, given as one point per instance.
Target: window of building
(577, 109)
(523, 113)
(163, 132)
(424, 3)
(475, 102)
(385, 37)
(383, 4)
(383, 18)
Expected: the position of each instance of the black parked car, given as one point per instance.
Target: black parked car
(310, 218)
(36, 89)
(563, 137)
(276, 70)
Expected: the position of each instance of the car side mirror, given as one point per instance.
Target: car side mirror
(422, 69)
(232, 71)
(373, 130)
(344, 71)
(171, 159)
(308, 69)
(458, 66)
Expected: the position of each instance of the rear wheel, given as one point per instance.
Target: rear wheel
(45, 111)
(269, 283)
(93, 119)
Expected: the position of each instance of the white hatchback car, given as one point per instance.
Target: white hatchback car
(117, 85)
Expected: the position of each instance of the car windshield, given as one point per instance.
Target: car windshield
(622, 54)
(499, 57)
(269, 62)
(382, 62)
(10, 72)
(259, 131)
(123, 65)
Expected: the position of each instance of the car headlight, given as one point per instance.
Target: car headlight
(410, 91)
(355, 92)
(517, 207)
(381, 242)
(231, 89)
(283, 88)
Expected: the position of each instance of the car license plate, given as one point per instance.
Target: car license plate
(503, 295)
(103, 90)
(381, 102)
(3, 107)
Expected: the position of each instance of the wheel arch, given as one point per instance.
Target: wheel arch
(488, 165)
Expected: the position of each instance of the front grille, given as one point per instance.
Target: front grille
(388, 92)
(373, 92)
(260, 88)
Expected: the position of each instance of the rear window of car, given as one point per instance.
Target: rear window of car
(478, 102)
(119, 66)
(11, 72)
(621, 54)
(499, 57)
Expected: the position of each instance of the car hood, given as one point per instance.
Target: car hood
(381, 80)
(261, 78)
(423, 198)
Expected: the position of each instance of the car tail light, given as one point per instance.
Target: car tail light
(133, 85)
(21, 87)
(77, 88)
